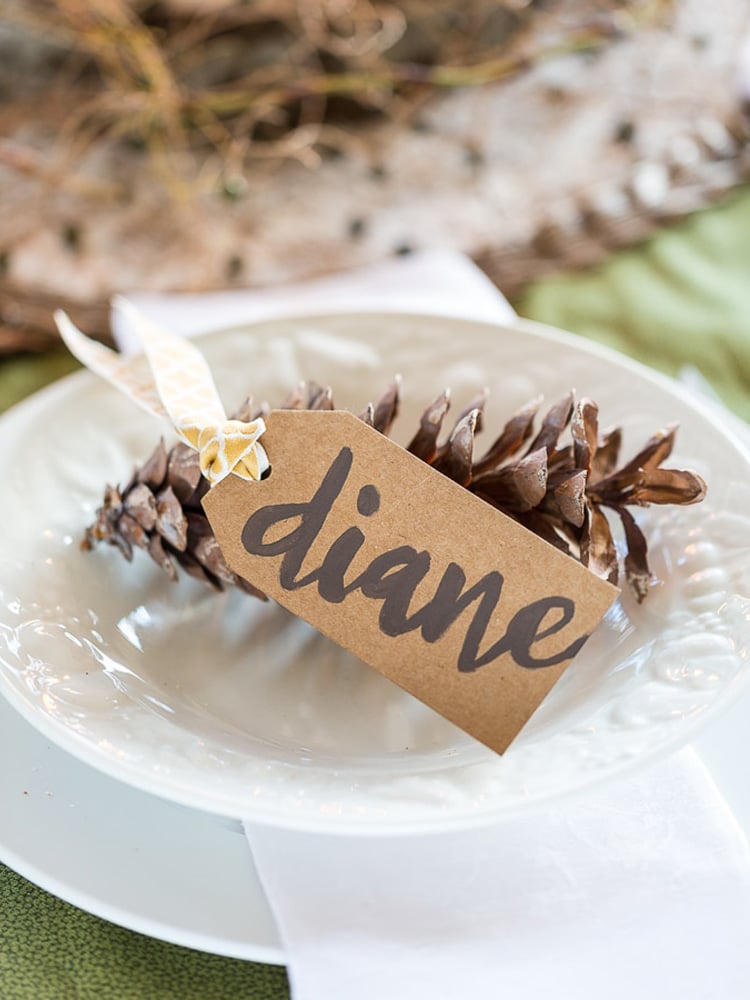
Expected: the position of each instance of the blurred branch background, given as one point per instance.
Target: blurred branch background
(270, 79)
(191, 145)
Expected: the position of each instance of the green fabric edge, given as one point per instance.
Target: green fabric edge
(50, 950)
(680, 299)
(24, 374)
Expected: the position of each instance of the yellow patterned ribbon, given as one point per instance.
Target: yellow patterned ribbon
(181, 388)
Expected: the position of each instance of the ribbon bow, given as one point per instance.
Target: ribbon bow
(232, 447)
(181, 388)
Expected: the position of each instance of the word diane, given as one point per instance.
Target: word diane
(393, 576)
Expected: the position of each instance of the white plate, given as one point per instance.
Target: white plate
(116, 664)
(150, 865)
(175, 873)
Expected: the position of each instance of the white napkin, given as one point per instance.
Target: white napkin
(635, 890)
(438, 282)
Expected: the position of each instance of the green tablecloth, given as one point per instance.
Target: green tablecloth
(49, 950)
(682, 298)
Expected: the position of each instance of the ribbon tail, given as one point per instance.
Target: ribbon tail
(180, 387)
(176, 363)
(122, 373)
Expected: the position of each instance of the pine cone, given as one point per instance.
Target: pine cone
(560, 492)
(160, 511)
(557, 490)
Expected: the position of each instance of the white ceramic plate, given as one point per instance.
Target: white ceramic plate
(175, 873)
(117, 665)
(150, 865)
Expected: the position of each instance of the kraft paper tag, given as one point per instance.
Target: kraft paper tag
(449, 598)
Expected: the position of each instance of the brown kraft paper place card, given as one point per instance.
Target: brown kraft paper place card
(450, 599)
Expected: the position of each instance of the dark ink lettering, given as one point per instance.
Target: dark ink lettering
(383, 581)
(368, 500)
(394, 576)
(449, 602)
(523, 632)
(312, 513)
(330, 574)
